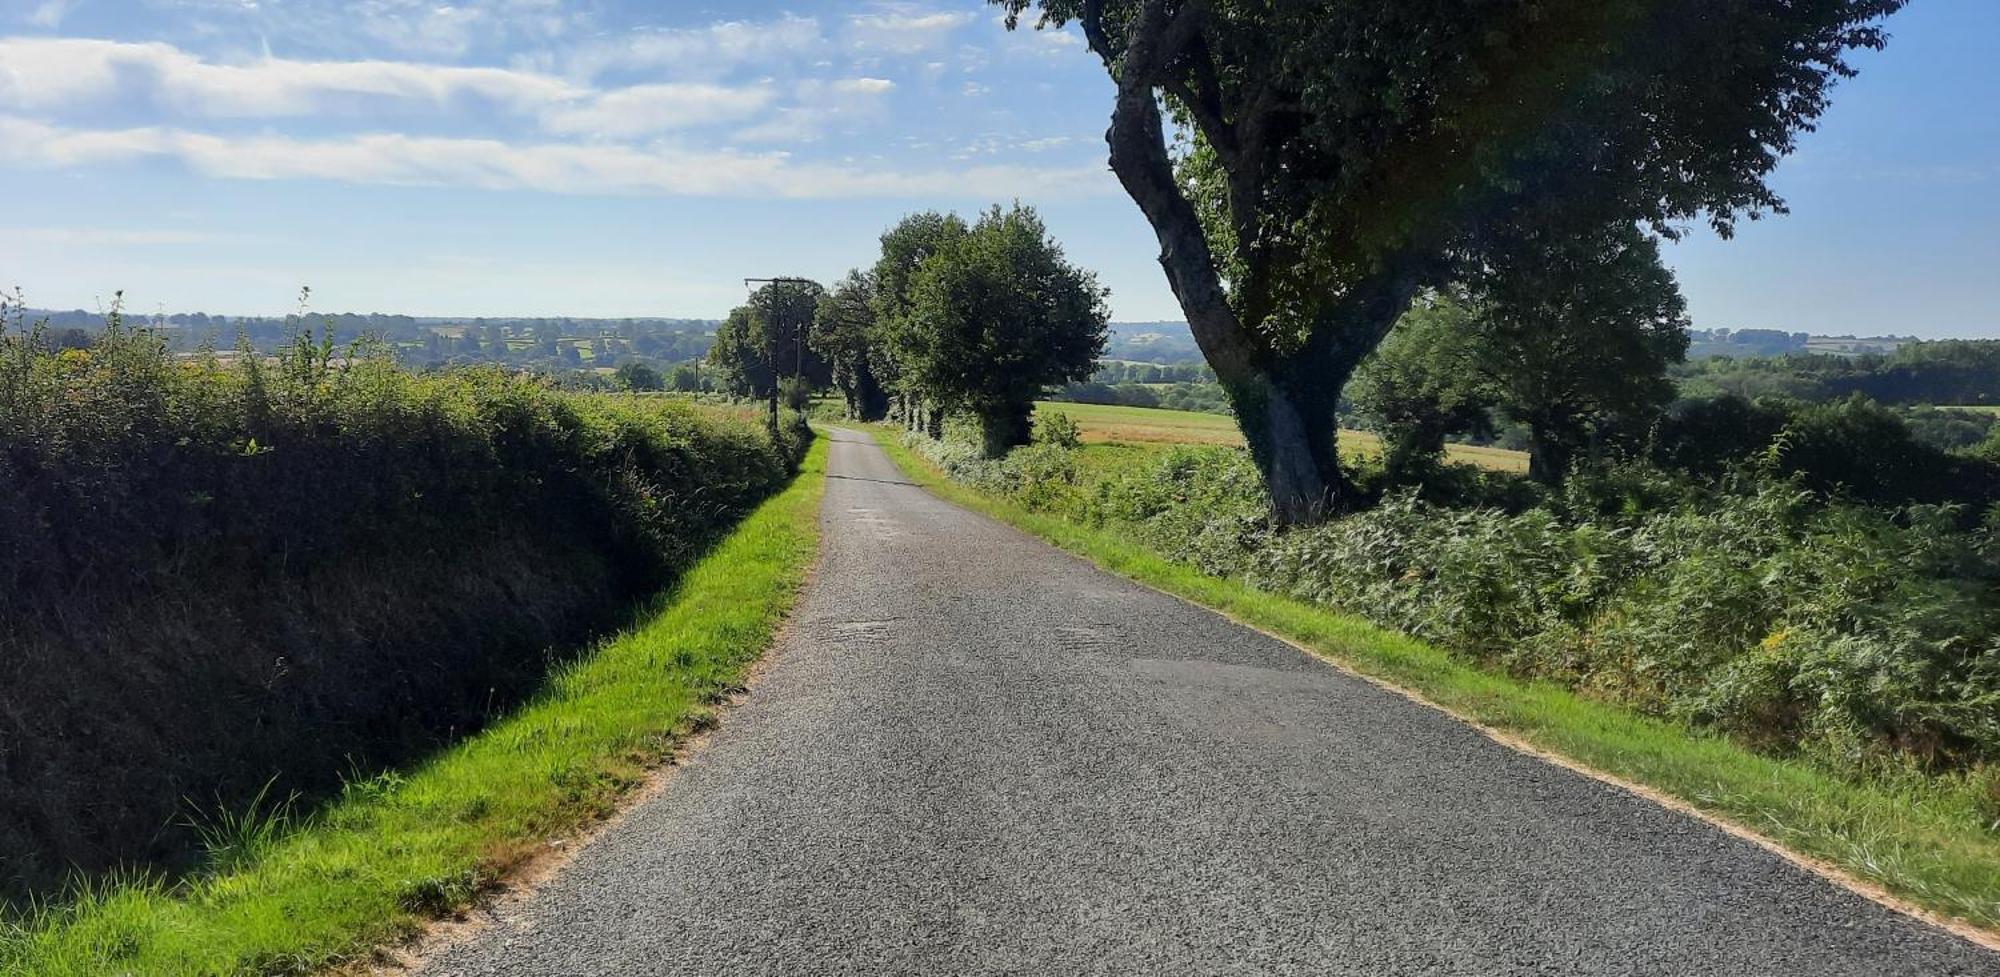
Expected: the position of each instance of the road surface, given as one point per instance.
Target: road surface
(974, 754)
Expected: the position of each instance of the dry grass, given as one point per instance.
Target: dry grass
(1112, 424)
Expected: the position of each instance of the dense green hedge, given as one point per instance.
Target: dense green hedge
(1866, 637)
(222, 573)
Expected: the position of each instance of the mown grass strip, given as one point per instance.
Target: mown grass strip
(392, 851)
(1926, 847)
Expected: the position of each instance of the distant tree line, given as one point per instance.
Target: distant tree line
(553, 346)
(1957, 372)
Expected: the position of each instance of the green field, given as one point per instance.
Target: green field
(1975, 408)
(1114, 424)
(297, 894)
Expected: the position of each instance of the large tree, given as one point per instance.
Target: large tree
(1423, 384)
(995, 316)
(1342, 155)
(905, 248)
(1571, 339)
(767, 341)
(844, 334)
(1575, 336)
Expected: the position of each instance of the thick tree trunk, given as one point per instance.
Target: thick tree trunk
(871, 402)
(1004, 428)
(1285, 400)
(1292, 439)
(1549, 455)
(849, 397)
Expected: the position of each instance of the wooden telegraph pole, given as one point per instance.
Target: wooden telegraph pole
(799, 334)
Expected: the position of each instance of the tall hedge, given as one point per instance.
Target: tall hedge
(236, 571)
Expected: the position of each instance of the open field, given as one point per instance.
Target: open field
(297, 894)
(1975, 408)
(1926, 844)
(1110, 423)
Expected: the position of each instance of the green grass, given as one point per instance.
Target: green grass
(1922, 843)
(398, 848)
(1117, 424)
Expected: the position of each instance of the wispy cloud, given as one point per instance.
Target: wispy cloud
(903, 29)
(549, 167)
(700, 52)
(49, 14)
(647, 109)
(820, 106)
(51, 72)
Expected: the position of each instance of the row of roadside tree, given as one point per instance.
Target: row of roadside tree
(973, 317)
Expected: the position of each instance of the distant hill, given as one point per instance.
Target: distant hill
(1152, 342)
(1171, 342)
(1705, 343)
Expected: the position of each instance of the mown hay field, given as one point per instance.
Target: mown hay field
(1115, 424)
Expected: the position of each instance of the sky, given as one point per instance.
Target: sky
(607, 158)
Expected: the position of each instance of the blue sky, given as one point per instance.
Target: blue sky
(611, 159)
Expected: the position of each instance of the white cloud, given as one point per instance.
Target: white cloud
(424, 27)
(1044, 145)
(821, 106)
(902, 29)
(548, 167)
(50, 13)
(49, 72)
(645, 109)
(863, 86)
(446, 28)
(710, 51)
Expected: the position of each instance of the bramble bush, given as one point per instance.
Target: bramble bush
(220, 570)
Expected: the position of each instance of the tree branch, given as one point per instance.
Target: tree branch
(1139, 158)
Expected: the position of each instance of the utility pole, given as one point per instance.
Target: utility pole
(798, 342)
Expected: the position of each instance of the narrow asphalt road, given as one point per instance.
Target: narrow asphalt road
(974, 754)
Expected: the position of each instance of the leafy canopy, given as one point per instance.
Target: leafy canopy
(997, 313)
(1328, 141)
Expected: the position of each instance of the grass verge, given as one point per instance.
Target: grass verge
(1919, 846)
(396, 849)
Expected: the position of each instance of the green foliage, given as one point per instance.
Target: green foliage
(1330, 159)
(1949, 430)
(1056, 428)
(641, 377)
(1423, 385)
(231, 838)
(1853, 447)
(215, 570)
(396, 847)
(1568, 338)
(1043, 475)
(845, 334)
(1867, 639)
(1206, 398)
(994, 315)
(768, 340)
(1574, 337)
(1956, 371)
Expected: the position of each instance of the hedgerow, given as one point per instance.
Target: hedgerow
(232, 575)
